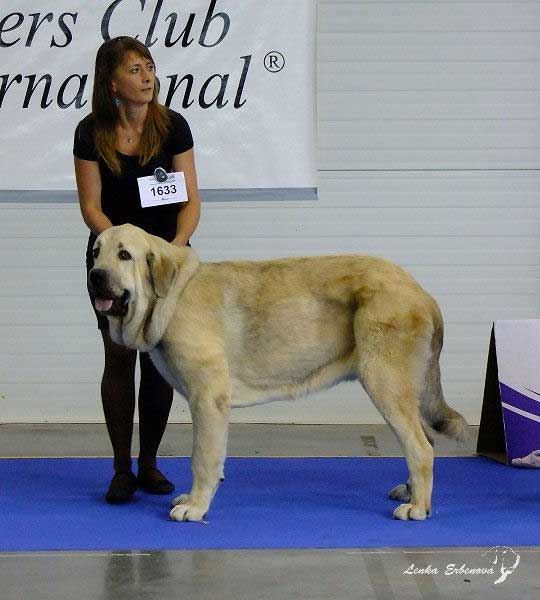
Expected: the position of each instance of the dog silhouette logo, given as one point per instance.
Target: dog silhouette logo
(504, 559)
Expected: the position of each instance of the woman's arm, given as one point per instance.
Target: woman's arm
(89, 191)
(191, 211)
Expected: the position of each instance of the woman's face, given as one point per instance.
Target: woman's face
(134, 79)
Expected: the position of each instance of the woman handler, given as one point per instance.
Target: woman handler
(129, 135)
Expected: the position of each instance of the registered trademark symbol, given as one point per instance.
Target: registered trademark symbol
(274, 61)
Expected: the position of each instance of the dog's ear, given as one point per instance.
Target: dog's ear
(163, 272)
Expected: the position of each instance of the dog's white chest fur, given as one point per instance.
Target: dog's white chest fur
(175, 380)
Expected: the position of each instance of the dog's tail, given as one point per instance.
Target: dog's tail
(441, 417)
(433, 407)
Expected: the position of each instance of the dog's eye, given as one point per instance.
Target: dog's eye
(95, 252)
(124, 255)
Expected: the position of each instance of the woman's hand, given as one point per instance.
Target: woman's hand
(178, 242)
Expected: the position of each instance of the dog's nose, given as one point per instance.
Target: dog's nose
(98, 277)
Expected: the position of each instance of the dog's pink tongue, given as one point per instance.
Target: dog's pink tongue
(102, 304)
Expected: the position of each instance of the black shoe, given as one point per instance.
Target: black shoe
(122, 488)
(153, 481)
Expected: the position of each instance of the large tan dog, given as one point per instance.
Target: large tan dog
(240, 333)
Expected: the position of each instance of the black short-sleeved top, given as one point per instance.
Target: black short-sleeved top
(120, 200)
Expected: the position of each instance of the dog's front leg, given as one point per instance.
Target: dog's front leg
(210, 415)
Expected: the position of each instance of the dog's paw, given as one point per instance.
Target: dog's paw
(411, 512)
(186, 510)
(401, 492)
(182, 499)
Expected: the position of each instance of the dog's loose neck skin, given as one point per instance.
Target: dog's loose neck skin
(144, 329)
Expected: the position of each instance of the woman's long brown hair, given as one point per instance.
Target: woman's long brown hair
(105, 112)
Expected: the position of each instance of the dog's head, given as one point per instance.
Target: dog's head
(133, 271)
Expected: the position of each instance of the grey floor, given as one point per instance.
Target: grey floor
(263, 574)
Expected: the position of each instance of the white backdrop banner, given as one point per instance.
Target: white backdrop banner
(242, 73)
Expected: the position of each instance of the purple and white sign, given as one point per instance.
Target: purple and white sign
(518, 361)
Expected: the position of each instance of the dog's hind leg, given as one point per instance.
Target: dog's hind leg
(391, 367)
(402, 492)
(210, 415)
(398, 404)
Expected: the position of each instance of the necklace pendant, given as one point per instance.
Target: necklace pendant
(130, 140)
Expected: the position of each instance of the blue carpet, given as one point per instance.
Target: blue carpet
(57, 504)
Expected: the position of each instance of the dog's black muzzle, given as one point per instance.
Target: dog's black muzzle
(98, 282)
(99, 288)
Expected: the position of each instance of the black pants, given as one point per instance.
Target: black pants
(118, 397)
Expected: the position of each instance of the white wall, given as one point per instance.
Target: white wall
(429, 154)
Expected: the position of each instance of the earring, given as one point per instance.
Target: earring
(116, 101)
